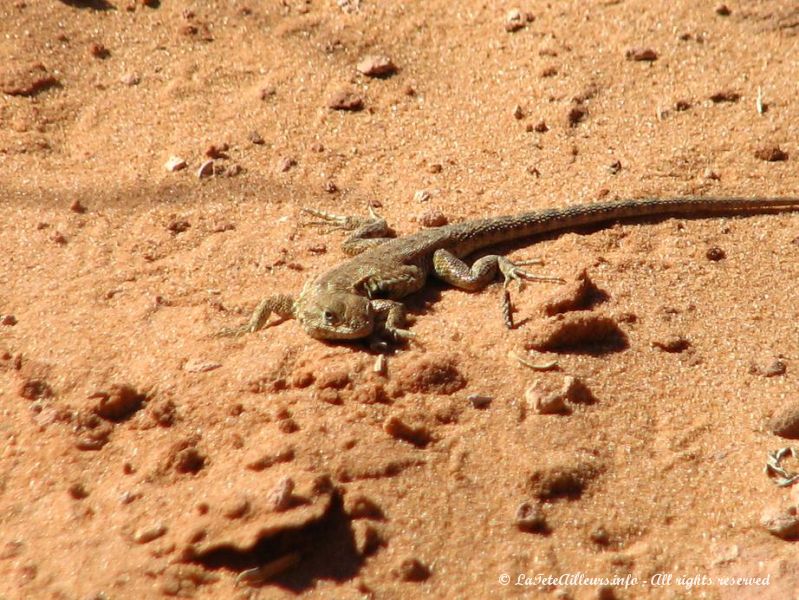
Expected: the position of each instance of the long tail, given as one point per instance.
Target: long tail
(487, 232)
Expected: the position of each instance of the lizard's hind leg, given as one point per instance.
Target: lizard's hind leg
(367, 232)
(454, 271)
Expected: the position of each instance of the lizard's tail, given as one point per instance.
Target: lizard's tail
(488, 232)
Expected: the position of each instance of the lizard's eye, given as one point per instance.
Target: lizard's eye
(330, 317)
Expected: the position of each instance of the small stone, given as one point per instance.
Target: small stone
(541, 127)
(175, 163)
(433, 218)
(715, 254)
(576, 391)
(330, 187)
(281, 496)
(774, 369)
(515, 20)
(234, 170)
(412, 569)
(345, 100)
(723, 10)
(376, 66)
(549, 72)
(130, 79)
(236, 508)
(674, 344)
(8, 320)
(711, 174)
(615, 167)
(77, 207)
(479, 401)
(58, 238)
(518, 113)
(782, 522)
(148, 534)
(255, 138)
(422, 195)
(785, 421)
(206, 169)
(217, 152)
(119, 403)
(397, 428)
(177, 226)
(543, 401)
(196, 365)
(97, 50)
(576, 115)
(435, 168)
(35, 388)
(682, 105)
(771, 154)
(358, 506)
(78, 491)
(641, 54)
(725, 96)
(189, 460)
(285, 164)
(600, 536)
(530, 518)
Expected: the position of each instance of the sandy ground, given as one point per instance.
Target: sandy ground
(141, 457)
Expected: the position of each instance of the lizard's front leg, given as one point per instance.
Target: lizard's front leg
(367, 232)
(391, 320)
(454, 271)
(280, 304)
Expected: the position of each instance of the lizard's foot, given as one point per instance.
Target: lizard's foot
(511, 271)
(340, 222)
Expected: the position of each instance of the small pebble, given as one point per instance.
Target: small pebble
(576, 115)
(78, 491)
(412, 569)
(97, 50)
(196, 365)
(782, 522)
(641, 54)
(206, 169)
(255, 138)
(399, 429)
(376, 66)
(177, 226)
(58, 238)
(774, 369)
(541, 127)
(130, 79)
(674, 343)
(285, 164)
(77, 207)
(422, 195)
(8, 320)
(715, 254)
(148, 534)
(545, 402)
(530, 518)
(433, 218)
(175, 163)
(281, 496)
(771, 154)
(330, 187)
(479, 401)
(725, 96)
(518, 112)
(345, 100)
(516, 19)
(218, 152)
(723, 10)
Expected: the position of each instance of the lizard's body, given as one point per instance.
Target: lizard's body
(358, 298)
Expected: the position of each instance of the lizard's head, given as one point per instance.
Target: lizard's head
(335, 315)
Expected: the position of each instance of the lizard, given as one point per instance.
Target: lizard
(360, 298)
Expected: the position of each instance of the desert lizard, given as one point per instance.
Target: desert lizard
(359, 298)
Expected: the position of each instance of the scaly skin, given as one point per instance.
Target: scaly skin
(358, 299)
